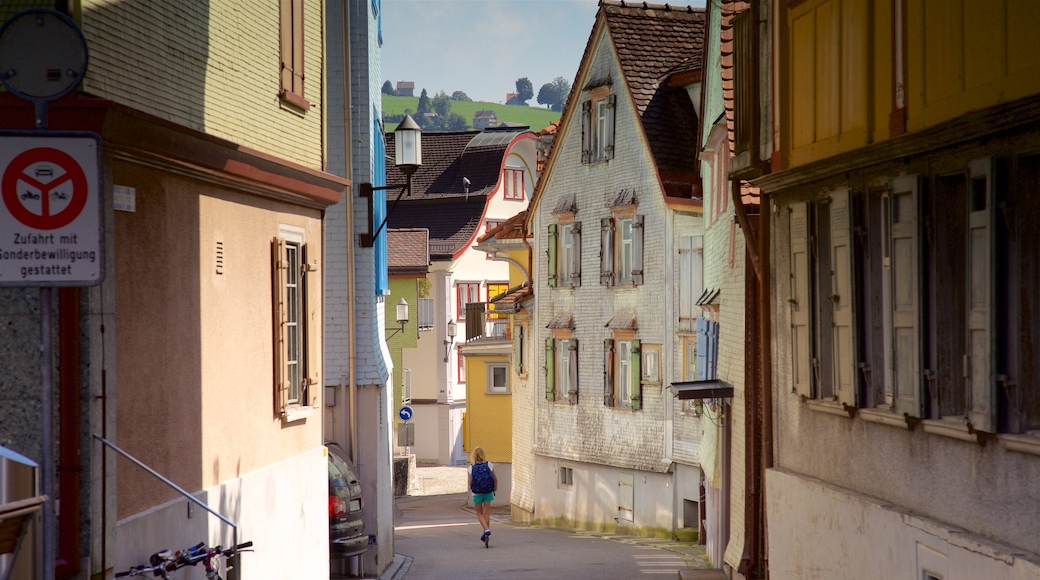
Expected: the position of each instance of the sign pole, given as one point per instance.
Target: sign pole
(47, 442)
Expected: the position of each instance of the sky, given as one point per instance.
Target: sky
(481, 47)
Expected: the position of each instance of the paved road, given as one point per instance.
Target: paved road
(442, 539)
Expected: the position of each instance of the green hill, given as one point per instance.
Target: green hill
(536, 118)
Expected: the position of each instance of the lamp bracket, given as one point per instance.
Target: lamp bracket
(368, 239)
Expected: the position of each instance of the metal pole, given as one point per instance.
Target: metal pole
(47, 439)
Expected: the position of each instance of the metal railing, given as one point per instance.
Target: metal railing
(233, 571)
(483, 322)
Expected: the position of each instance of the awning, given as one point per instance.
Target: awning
(710, 389)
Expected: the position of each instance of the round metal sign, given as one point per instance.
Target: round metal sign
(43, 55)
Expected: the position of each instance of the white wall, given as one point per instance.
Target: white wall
(817, 530)
(270, 507)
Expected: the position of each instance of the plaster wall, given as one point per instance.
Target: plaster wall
(817, 530)
(281, 505)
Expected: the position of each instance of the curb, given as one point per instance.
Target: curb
(398, 568)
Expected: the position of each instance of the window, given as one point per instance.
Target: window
(466, 292)
(291, 49)
(621, 250)
(565, 254)
(498, 319)
(294, 371)
(514, 184)
(461, 360)
(497, 378)
(561, 369)
(425, 320)
(622, 373)
(406, 386)
(706, 349)
(598, 126)
(566, 476)
(488, 226)
(691, 278)
(651, 363)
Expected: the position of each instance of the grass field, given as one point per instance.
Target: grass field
(535, 117)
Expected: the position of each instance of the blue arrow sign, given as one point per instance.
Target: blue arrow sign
(405, 413)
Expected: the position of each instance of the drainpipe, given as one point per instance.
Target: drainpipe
(766, 358)
(351, 274)
(69, 468)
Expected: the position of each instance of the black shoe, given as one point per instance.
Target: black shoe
(486, 538)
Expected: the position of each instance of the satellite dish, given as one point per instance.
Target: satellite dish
(43, 55)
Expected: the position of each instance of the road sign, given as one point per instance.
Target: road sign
(50, 209)
(405, 413)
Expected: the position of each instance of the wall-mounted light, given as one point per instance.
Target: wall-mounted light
(402, 316)
(452, 330)
(407, 158)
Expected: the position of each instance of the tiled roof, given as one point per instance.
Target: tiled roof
(510, 300)
(408, 249)
(451, 222)
(730, 8)
(511, 229)
(624, 320)
(653, 41)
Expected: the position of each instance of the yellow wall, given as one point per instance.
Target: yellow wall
(489, 418)
(211, 66)
(837, 69)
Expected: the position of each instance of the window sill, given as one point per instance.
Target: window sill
(294, 100)
(883, 417)
(949, 428)
(297, 413)
(1028, 443)
(828, 407)
(496, 393)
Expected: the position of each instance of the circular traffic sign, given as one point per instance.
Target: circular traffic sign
(43, 55)
(44, 188)
(405, 413)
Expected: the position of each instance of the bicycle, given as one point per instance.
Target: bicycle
(164, 561)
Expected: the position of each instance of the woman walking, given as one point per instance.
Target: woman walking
(482, 482)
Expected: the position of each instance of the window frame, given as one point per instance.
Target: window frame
(490, 368)
(472, 290)
(461, 364)
(294, 370)
(599, 119)
(510, 189)
(425, 314)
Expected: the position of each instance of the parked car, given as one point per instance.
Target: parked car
(346, 527)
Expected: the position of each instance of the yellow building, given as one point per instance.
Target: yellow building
(494, 354)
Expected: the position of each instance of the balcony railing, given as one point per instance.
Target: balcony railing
(483, 322)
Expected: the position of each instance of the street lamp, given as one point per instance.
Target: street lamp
(407, 158)
(452, 330)
(402, 316)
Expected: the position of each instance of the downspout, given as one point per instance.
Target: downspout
(351, 274)
(766, 358)
(69, 468)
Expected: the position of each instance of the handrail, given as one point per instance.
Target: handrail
(233, 573)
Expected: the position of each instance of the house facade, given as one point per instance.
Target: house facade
(469, 182)
(901, 162)
(211, 267)
(619, 197)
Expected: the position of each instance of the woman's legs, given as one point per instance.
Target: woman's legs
(484, 514)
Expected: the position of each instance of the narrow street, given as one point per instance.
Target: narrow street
(437, 536)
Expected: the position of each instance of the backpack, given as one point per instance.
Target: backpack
(482, 480)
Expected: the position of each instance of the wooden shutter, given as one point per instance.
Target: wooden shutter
(713, 350)
(586, 132)
(843, 299)
(686, 299)
(279, 269)
(636, 371)
(572, 371)
(702, 349)
(606, 251)
(637, 249)
(608, 139)
(311, 337)
(575, 264)
(982, 275)
(297, 33)
(285, 33)
(906, 300)
(550, 369)
(518, 349)
(608, 372)
(801, 357)
(554, 278)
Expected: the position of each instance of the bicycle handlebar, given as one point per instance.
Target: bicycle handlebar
(163, 561)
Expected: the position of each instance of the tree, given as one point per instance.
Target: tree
(455, 122)
(547, 95)
(441, 104)
(460, 96)
(524, 89)
(422, 109)
(563, 90)
(388, 89)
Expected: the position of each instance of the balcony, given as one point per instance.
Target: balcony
(482, 322)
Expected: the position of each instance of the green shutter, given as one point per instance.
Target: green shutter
(550, 369)
(635, 368)
(608, 372)
(551, 250)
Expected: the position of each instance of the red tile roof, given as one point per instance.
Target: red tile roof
(408, 250)
(511, 229)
